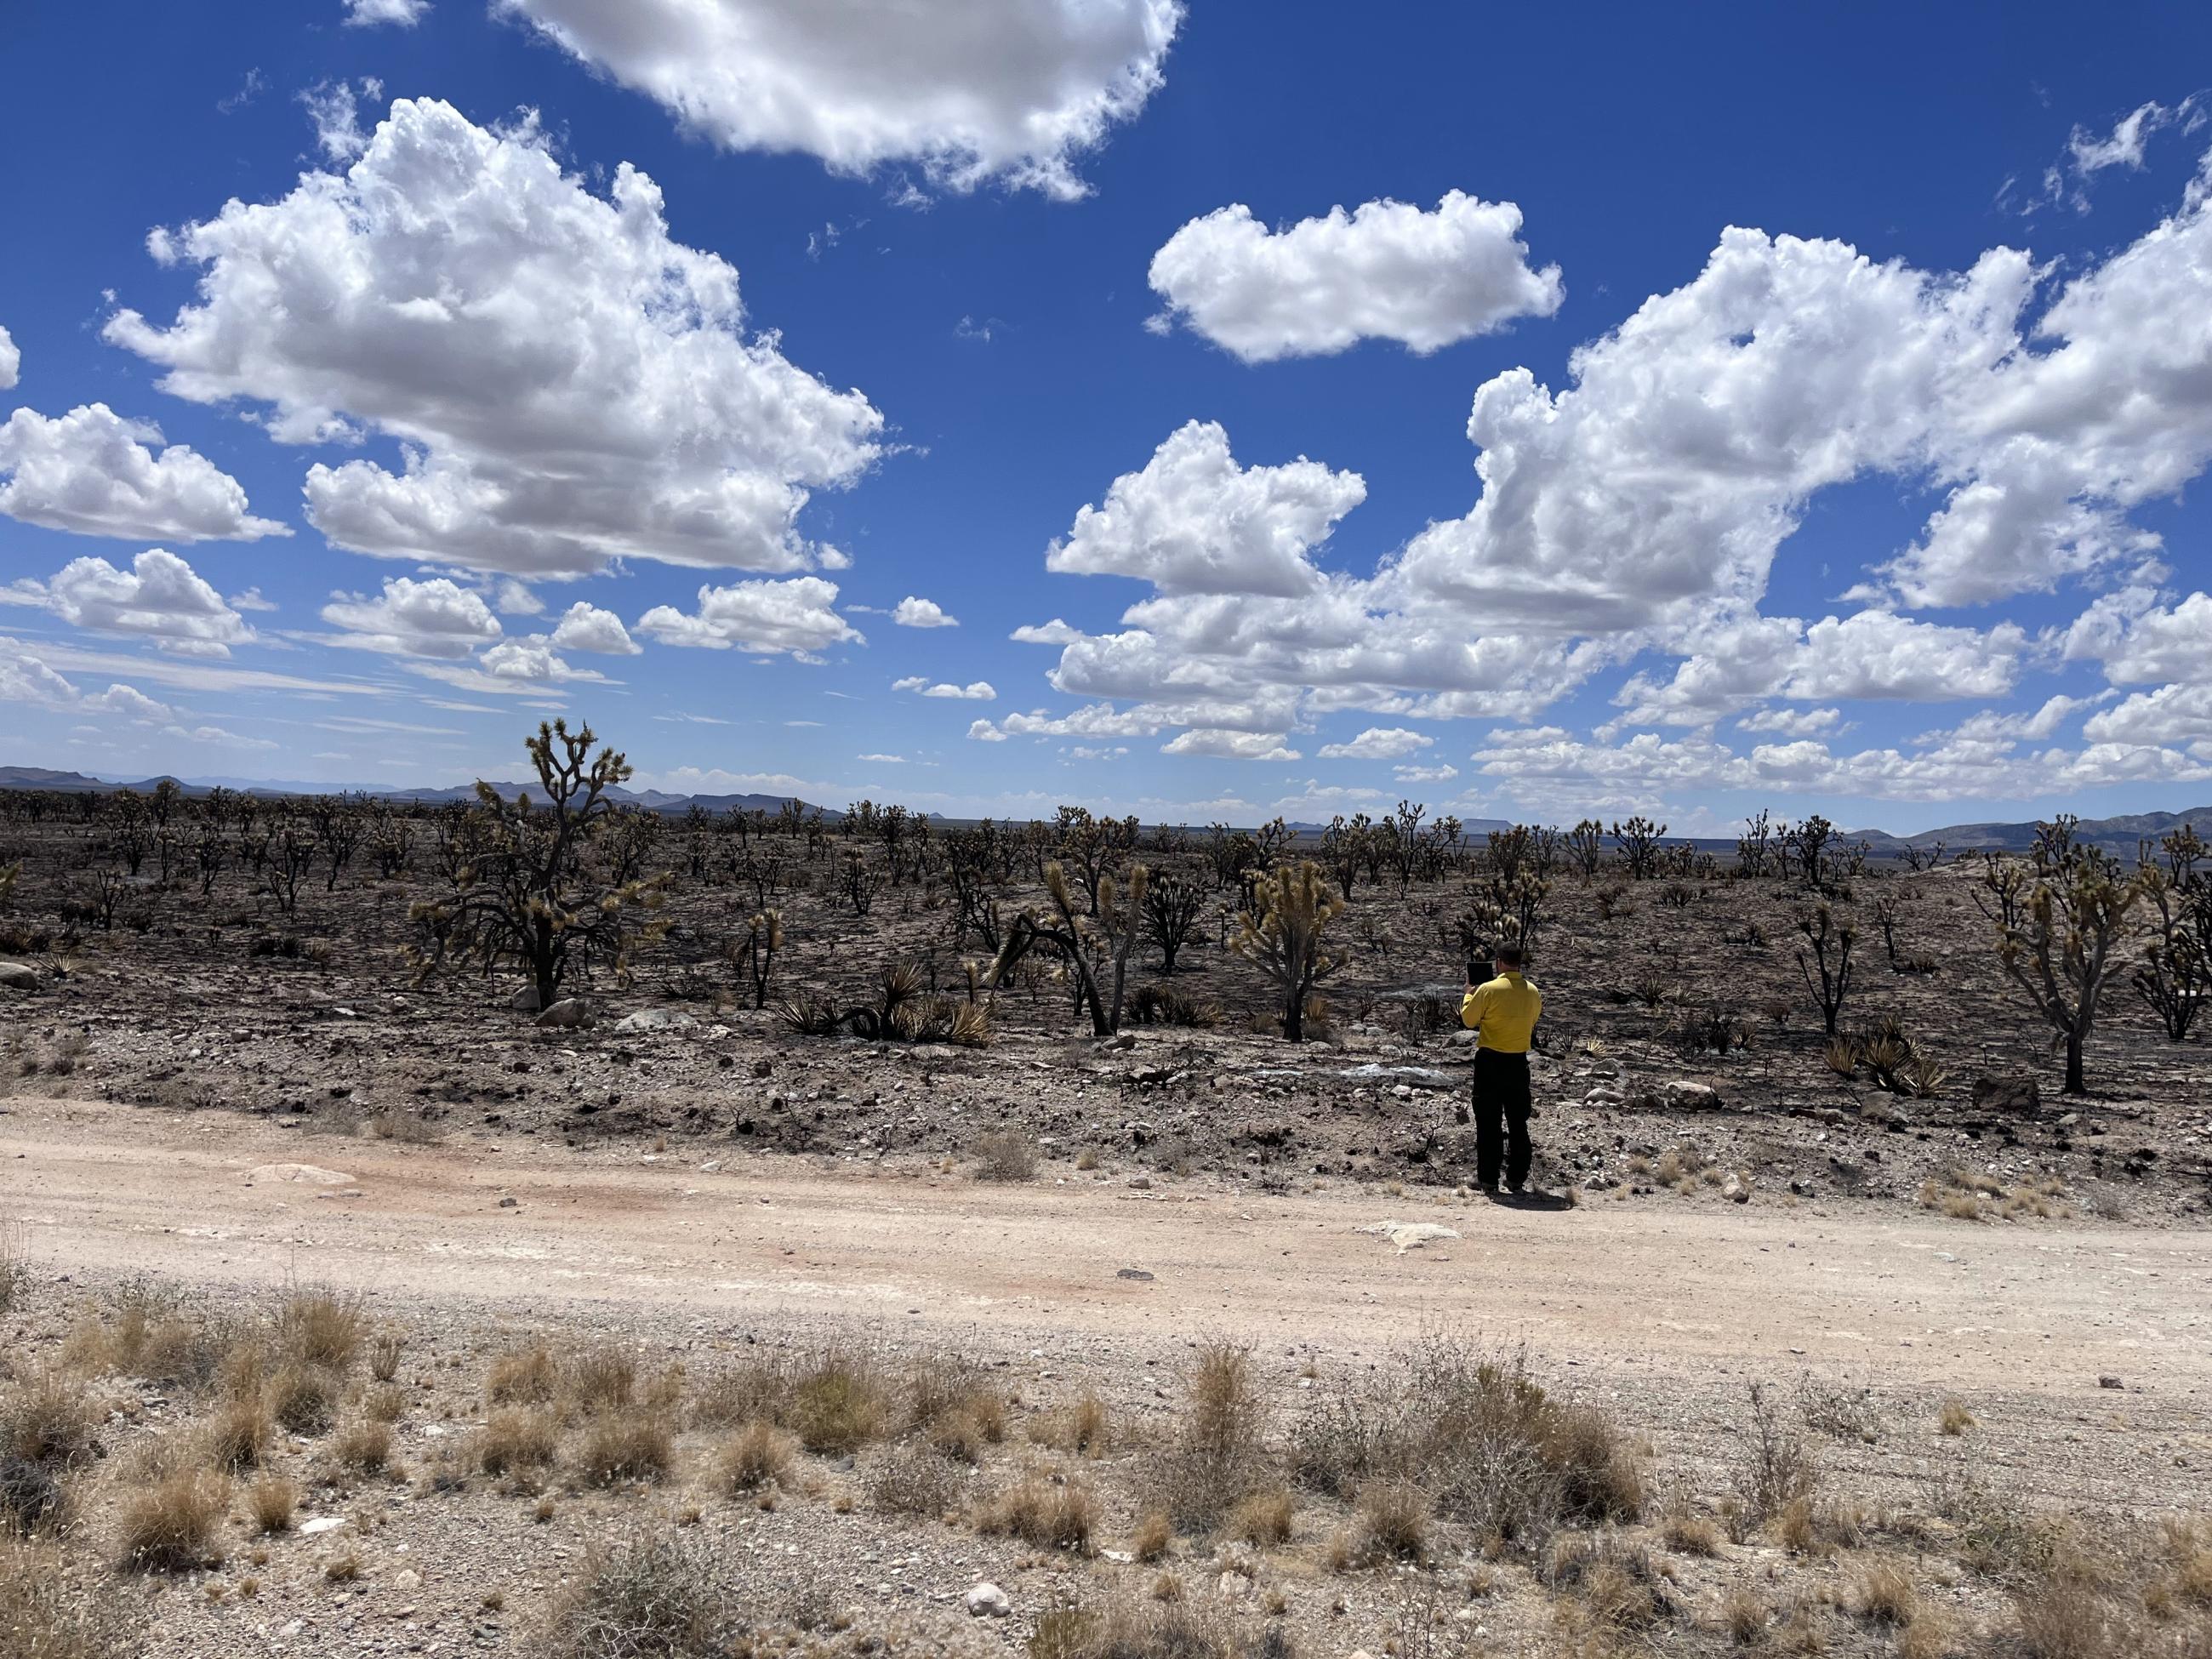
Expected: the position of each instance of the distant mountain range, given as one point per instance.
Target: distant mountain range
(2118, 834)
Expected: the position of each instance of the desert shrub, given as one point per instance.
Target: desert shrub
(653, 1594)
(516, 1439)
(630, 1448)
(1955, 1418)
(48, 1611)
(909, 1479)
(1775, 1466)
(384, 1355)
(1219, 1454)
(1152, 1537)
(320, 1327)
(169, 1525)
(1840, 1412)
(1051, 1514)
(522, 1377)
(759, 1454)
(1687, 1533)
(1005, 1155)
(31, 1496)
(1477, 1434)
(272, 1502)
(1163, 1005)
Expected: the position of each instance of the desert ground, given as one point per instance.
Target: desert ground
(361, 1298)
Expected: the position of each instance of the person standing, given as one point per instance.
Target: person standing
(1502, 1013)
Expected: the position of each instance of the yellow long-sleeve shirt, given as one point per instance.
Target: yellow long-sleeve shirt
(1502, 1012)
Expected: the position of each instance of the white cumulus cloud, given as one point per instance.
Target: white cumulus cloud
(1386, 270)
(911, 612)
(160, 597)
(1193, 521)
(367, 13)
(436, 618)
(570, 385)
(11, 361)
(974, 691)
(587, 628)
(94, 472)
(766, 618)
(1378, 743)
(1007, 90)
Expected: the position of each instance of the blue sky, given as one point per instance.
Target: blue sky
(1820, 514)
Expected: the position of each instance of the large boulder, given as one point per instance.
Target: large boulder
(19, 976)
(1681, 1095)
(524, 1001)
(567, 1014)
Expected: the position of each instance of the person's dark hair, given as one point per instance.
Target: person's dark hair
(1510, 955)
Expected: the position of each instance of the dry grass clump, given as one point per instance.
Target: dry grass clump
(236, 1438)
(1745, 1616)
(1219, 1456)
(953, 1404)
(364, 1446)
(909, 1479)
(1061, 1514)
(304, 1397)
(1974, 1196)
(599, 1380)
(1262, 1518)
(384, 1355)
(1005, 1155)
(32, 1499)
(839, 1402)
(1613, 1582)
(140, 1333)
(272, 1502)
(1155, 1533)
(1393, 1519)
(1080, 1426)
(1166, 1627)
(1955, 1418)
(169, 1525)
(522, 1377)
(48, 1421)
(322, 1328)
(1884, 1593)
(759, 1454)
(50, 1611)
(1477, 1434)
(13, 1266)
(656, 1594)
(615, 1449)
(1688, 1534)
(516, 1440)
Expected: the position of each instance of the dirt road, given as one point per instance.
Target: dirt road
(1679, 1284)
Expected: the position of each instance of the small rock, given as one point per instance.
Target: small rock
(1409, 1235)
(1137, 1274)
(1735, 1191)
(654, 1019)
(568, 1012)
(320, 1524)
(506, 1204)
(2108, 1381)
(988, 1600)
(407, 1579)
(1234, 1587)
(19, 976)
(524, 1001)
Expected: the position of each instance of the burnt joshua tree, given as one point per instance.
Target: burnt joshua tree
(2057, 945)
(524, 896)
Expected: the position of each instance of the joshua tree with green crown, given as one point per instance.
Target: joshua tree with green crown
(1292, 906)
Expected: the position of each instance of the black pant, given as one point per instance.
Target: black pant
(1501, 1111)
